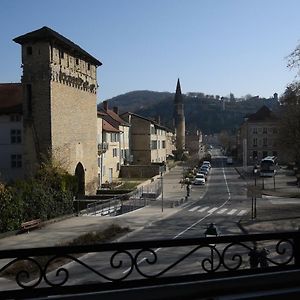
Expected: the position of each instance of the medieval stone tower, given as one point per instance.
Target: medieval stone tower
(179, 120)
(59, 107)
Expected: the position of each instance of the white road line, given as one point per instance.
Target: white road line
(221, 211)
(194, 224)
(232, 212)
(242, 212)
(203, 209)
(212, 210)
(194, 208)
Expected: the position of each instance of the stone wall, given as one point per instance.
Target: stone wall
(139, 171)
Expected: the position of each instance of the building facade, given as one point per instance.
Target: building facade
(148, 140)
(257, 137)
(59, 106)
(11, 132)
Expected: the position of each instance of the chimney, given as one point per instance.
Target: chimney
(157, 119)
(105, 105)
(116, 110)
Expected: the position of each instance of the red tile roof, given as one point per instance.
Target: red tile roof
(108, 127)
(11, 98)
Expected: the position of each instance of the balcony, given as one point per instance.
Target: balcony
(233, 266)
(102, 148)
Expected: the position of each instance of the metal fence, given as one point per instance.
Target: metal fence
(140, 197)
(42, 271)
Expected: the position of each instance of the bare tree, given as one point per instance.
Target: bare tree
(289, 127)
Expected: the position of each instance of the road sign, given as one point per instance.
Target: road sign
(253, 191)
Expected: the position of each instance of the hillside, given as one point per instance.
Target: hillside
(209, 114)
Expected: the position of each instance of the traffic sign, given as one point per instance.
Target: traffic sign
(253, 191)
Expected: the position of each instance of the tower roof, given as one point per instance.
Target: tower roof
(47, 34)
(178, 95)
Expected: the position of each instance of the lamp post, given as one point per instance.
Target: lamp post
(211, 231)
(162, 192)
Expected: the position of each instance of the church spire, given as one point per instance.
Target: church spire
(178, 95)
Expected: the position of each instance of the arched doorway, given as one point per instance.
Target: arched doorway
(79, 173)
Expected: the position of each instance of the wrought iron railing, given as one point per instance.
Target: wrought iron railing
(69, 270)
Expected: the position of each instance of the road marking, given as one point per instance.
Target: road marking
(194, 224)
(203, 209)
(232, 212)
(212, 210)
(221, 211)
(194, 208)
(242, 212)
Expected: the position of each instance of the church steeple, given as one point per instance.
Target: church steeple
(179, 121)
(178, 95)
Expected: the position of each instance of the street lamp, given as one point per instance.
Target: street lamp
(211, 231)
(255, 171)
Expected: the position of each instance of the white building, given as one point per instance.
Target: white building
(11, 132)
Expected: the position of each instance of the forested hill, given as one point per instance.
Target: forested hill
(205, 112)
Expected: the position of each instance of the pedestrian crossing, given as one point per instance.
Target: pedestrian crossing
(219, 211)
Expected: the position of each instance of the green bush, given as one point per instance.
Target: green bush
(11, 209)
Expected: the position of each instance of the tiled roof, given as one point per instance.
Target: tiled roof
(116, 117)
(263, 114)
(48, 34)
(11, 97)
(149, 120)
(108, 127)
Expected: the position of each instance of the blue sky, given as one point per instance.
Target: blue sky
(214, 46)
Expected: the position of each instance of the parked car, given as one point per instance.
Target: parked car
(229, 160)
(206, 163)
(204, 172)
(204, 168)
(199, 179)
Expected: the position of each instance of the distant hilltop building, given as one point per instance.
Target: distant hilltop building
(59, 105)
(179, 121)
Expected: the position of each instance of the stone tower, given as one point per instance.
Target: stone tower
(179, 121)
(59, 106)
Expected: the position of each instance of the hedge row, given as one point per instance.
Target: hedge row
(46, 196)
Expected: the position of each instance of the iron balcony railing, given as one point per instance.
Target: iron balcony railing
(38, 272)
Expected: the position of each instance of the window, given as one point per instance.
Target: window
(29, 50)
(99, 162)
(103, 170)
(255, 130)
(275, 130)
(61, 54)
(255, 142)
(275, 153)
(163, 144)
(115, 152)
(77, 61)
(158, 144)
(15, 136)
(16, 161)
(265, 154)
(118, 166)
(152, 129)
(15, 118)
(265, 142)
(153, 145)
(265, 130)
(114, 137)
(89, 66)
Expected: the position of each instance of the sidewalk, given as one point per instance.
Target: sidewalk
(285, 189)
(60, 232)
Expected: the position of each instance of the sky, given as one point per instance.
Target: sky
(214, 46)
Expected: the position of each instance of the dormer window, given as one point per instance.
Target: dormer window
(61, 54)
(89, 66)
(29, 50)
(77, 61)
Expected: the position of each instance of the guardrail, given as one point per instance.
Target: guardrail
(43, 271)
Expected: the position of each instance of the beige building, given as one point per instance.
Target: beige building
(257, 137)
(113, 144)
(59, 107)
(148, 140)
